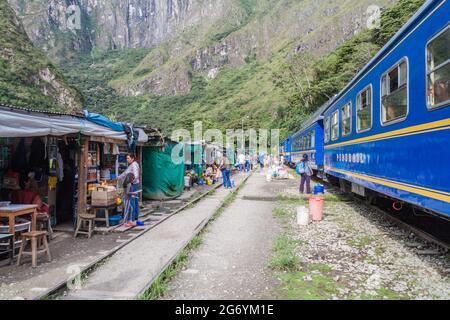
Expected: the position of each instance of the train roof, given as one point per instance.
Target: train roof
(387, 48)
(318, 115)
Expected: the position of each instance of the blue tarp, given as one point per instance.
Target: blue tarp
(103, 121)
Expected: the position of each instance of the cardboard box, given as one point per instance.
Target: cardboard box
(103, 196)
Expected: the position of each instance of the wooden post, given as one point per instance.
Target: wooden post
(82, 177)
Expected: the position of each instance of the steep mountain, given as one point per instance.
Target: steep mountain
(62, 27)
(167, 63)
(27, 78)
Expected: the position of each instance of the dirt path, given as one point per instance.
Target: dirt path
(231, 262)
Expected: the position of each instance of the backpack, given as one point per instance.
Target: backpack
(300, 168)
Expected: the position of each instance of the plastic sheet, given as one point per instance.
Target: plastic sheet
(162, 179)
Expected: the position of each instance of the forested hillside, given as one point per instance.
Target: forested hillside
(27, 77)
(255, 63)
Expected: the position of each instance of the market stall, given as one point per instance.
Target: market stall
(63, 163)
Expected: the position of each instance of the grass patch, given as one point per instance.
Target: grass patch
(212, 192)
(283, 214)
(360, 242)
(318, 287)
(323, 268)
(297, 284)
(285, 258)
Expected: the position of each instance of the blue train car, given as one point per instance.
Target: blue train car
(286, 148)
(388, 129)
(310, 140)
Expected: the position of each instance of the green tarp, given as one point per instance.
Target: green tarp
(193, 157)
(162, 178)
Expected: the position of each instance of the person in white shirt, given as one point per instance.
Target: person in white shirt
(241, 159)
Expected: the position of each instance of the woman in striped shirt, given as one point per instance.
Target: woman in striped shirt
(133, 167)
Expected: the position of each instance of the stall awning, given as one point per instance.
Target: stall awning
(26, 123)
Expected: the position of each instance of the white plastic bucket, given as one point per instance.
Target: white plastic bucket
(187, 182)
(303, 217)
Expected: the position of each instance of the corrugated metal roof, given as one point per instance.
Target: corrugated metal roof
(47, 112)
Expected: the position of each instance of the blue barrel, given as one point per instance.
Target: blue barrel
(319, 189)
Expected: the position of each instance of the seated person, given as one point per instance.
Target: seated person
(27, 195)
(209, 171)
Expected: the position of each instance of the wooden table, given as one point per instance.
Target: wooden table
(15, 210)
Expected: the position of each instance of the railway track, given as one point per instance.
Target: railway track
(420, 233)
(432, 230)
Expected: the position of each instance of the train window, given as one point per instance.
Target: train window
(364, 110)
(394, 93)
(438, 69)
(313, 139)
(327, 130)
(335, 125)
(347, 119)
(297, 144)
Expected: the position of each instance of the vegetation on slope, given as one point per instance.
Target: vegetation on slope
(315, 83)
(273, 92)
(27, 78)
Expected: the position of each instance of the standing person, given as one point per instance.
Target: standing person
(241, 159)
(128, 198)
(226, 171)
(133, 167)
(306, 172)
(261, 160)
(247, 163)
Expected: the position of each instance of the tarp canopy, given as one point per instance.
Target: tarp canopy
(25, 123)
(103, 121)
(162, 179)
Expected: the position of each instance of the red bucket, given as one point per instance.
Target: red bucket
(316, 204)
